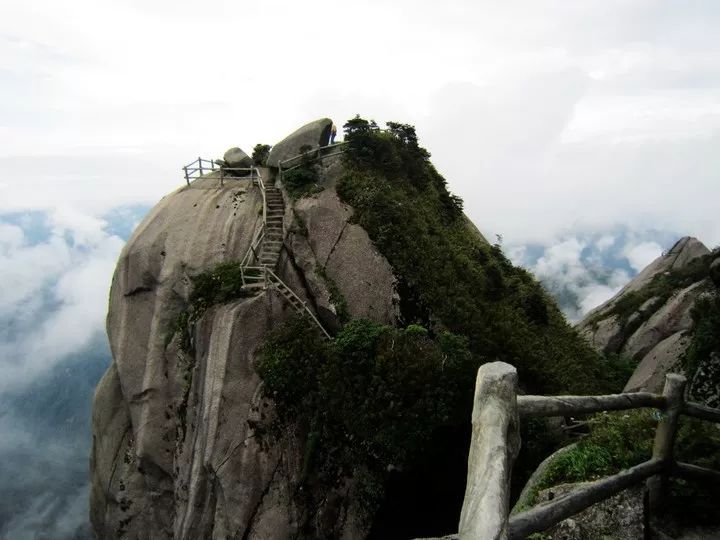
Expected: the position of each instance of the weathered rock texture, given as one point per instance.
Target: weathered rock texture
(313, 135)
(236, 158)
(620, 517)
(655, 335)
(176, 453)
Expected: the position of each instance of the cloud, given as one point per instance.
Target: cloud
(543, 116)
(584, 269)
(53, 295)
(641, 255)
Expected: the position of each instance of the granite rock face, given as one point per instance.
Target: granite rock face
(176, 450)
(655, 334)
(313, 135)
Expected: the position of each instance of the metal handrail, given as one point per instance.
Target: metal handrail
(277, 280)
(245, 264)
(260, 233)
(271, 277)
(317, 150)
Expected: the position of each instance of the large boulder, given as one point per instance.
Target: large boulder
(237, 158)
(176, 449)
(314, 134)
(649, 375)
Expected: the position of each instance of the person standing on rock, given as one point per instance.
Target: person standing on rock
(333, 133)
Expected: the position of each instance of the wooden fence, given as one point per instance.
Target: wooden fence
(496, 438)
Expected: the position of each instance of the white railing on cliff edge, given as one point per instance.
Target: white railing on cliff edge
(496, 439)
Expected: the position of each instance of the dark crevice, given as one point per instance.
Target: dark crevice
(337, 240)
(140, 289)
(253, 514)
(330, 324)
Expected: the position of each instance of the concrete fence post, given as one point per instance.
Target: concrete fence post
(493, 449)
(665, 439)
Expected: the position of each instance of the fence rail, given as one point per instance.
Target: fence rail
(201, 166)
(321, 152)
(484, 518)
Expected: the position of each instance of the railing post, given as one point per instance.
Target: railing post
(493, 448)
(187, 178)
(665, 439)
(200, 165)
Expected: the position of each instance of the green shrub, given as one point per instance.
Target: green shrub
(260, 154)
(221, 284)
(620, 440)
(298, 182)
(369, 400)
(705, 333)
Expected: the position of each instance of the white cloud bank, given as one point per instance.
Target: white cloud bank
(53, 294)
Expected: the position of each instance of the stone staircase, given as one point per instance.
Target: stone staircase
(261, 275)
(274, 234)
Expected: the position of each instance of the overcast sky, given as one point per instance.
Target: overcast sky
(573, 129)
(585, 132)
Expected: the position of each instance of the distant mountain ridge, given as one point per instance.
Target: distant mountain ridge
(650, 321)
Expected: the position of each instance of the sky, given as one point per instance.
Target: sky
(582, 134)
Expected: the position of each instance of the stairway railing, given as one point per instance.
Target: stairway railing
(319, 154)
(249, 273)
(262, 274)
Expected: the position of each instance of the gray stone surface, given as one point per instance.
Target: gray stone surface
(167, 464)
(618, 518)
(685, 250)
(235, 157)
(654, 335)
(669, 319)
(663, 358)
(528, 493)
(605, 335)
(314, 134)
(345, 252)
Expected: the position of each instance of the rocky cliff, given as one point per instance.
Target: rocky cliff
(180, 419)
(650, 320)
(169, 462)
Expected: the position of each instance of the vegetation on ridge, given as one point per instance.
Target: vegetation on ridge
(377, 398)
(448, 278)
